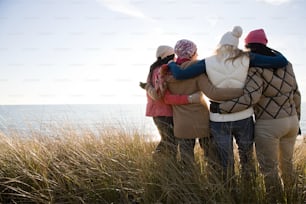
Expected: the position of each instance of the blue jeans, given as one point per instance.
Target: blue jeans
(243, 132)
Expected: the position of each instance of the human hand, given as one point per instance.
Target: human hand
(142, 85)
(214, 107)
(197, 97)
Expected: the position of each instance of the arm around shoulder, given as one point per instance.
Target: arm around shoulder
(264, 61)
(190, 72)
(175, 99)
(214, 93)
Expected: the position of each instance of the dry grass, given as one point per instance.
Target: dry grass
(112, 166)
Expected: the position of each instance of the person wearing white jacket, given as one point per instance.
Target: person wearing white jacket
(228, 68)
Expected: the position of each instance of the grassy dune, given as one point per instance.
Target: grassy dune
(113, 166)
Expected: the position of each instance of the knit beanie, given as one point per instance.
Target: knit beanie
(231, 38)
(185, 49)
(256, 36)
(164, 51)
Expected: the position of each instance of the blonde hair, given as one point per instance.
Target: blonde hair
(230, 52)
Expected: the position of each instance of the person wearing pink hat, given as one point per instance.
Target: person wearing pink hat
(256, 36)
(276, 99)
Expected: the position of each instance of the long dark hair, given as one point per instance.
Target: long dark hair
(261, 49)
(159, 62)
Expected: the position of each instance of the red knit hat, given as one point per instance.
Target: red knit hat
(256, 36)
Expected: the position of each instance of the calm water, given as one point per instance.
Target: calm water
(24, 118)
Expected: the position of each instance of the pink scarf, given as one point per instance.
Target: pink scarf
(180, 61)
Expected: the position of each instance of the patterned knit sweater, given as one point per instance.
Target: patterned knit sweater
(273, 93)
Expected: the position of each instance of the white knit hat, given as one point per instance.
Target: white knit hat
(231, 38)
(164, 51)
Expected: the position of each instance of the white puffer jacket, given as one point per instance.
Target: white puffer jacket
(228, 74)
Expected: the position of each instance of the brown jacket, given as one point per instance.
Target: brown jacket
(192, 120)
(274, 94)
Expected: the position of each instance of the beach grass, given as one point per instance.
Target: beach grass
(114, 165)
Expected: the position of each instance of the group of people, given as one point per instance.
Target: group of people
(254, 98)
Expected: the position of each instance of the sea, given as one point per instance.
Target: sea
(130, 117)
(25, 119)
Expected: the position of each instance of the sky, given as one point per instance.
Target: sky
(97, 51)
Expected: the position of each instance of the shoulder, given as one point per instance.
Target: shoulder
(289, 69)
(210, 59)
(289, 65)
(188, 63)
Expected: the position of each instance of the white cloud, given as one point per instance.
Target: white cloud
(124, 7)
(275, 2)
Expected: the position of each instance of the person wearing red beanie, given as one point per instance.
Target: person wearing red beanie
(256, 36)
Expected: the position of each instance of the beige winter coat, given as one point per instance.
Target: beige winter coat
(192, 120)
(273, 93)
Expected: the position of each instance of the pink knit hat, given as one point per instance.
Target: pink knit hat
(256, 36)
(185, 48)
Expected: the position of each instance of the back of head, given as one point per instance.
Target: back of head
(231, 37)
(164, 54)
(256, 41)
(260, 49)
(228, 45)
(256, 36)
(164, 51)
(185, 49)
